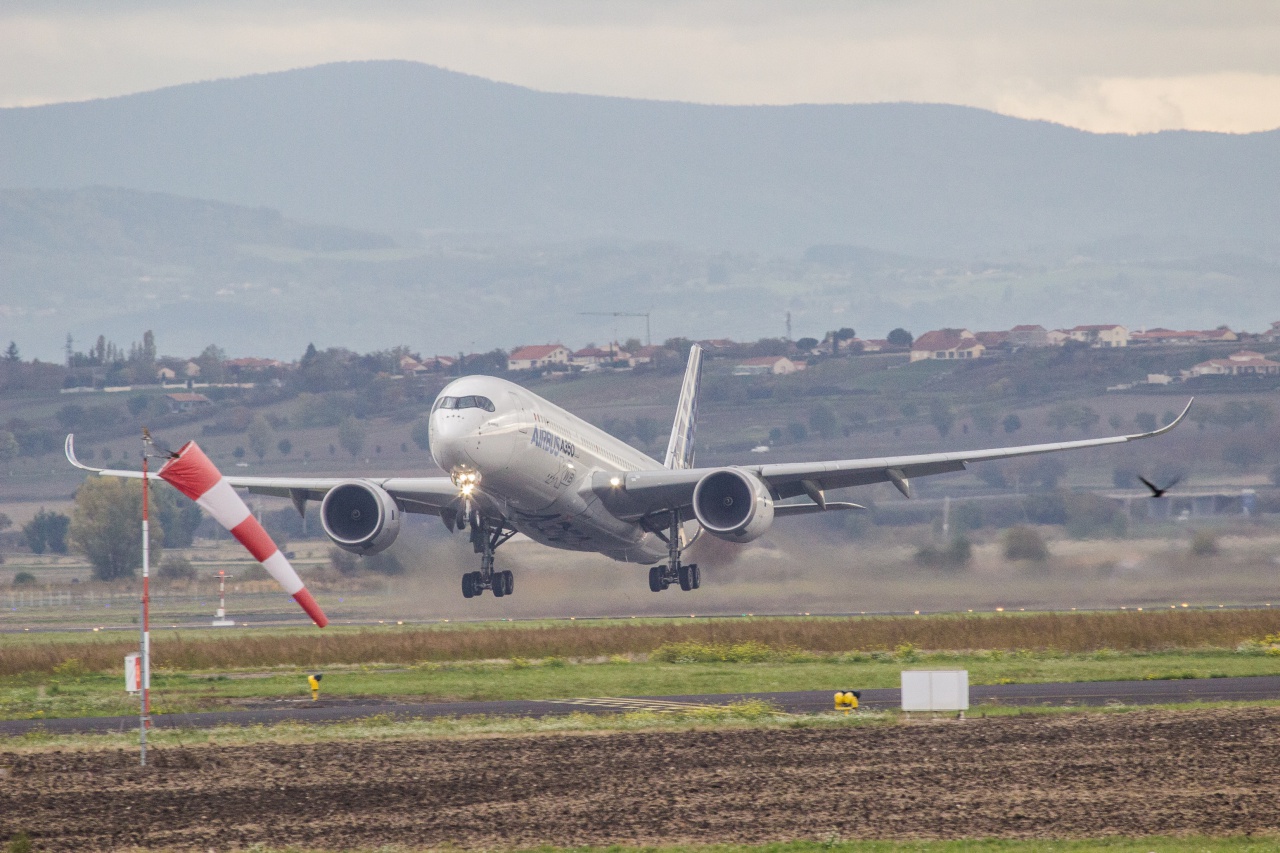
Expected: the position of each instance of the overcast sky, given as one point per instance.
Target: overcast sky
(1102, 66)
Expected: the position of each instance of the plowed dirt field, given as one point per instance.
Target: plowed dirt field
(1078, 775)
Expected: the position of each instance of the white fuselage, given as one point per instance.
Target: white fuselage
(535, 463)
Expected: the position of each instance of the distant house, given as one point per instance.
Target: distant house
(1057, 337)
(410, 366)
(947, 344)
(187, 402)
(1217, 336)
(542, 355)
(1271, 335)
(589, 357)
(1243, 363)
(439, 363)
(166, 374)
(717, 344)
(1162, 336)
(191, 370)
(1102, 335)
(252, 363)
(776, 365)
(993, 340)
(873, 345)
(645, 354)
(1028, 336)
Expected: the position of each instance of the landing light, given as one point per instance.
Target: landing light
(615, 481)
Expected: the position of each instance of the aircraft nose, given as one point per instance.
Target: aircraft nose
(449, 433)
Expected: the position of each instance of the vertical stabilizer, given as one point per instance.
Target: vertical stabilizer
(680, 448)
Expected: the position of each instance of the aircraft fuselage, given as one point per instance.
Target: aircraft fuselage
(534, 464)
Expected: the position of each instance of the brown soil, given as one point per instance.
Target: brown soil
(1077, 775)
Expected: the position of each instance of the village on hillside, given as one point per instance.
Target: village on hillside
(109, 368)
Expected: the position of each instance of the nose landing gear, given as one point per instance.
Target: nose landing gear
(486, 536)
(661, 577)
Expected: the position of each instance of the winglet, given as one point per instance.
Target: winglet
(680, 448)
(70, 448)
(1162, 430)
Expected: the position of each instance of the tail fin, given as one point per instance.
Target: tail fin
(680, 448)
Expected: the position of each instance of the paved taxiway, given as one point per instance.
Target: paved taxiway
(340, 709)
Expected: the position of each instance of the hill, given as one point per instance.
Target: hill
(404, 146)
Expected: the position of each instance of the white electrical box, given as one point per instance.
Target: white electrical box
(935, 690)
(133, 672)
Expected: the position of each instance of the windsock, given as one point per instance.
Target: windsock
(191, 473)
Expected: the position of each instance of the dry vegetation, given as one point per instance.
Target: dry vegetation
(1064, 632)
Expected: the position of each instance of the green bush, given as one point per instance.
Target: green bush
(1024, 543)
(956, 555)
(175, 567)
(1204, 543)
(24, 579)
(1090, 516)
(693, 652)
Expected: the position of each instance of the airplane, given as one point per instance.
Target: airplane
(517, 463)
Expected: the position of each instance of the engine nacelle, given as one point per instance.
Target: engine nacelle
(733, 505)
(360, 517)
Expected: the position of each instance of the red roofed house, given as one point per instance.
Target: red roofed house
(1028, 336)
(252, 363)
(593, 356)
(777, 365)
(1243, 363)
(528, 358)
(187, 402)
(1163, 336)
(645, 354)
(439, 363)
(1217, 336)
(991, 340)
(947, 344)
(1104, 335)
(410, 366)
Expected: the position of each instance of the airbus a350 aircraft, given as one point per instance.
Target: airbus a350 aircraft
(519, 464)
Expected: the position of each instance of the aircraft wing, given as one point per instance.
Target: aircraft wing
(414, 494)
(638, 494)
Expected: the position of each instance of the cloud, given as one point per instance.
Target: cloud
(1130, 67)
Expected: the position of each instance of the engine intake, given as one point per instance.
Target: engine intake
(360, 517)
(733, 505)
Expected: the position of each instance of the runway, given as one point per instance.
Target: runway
(338, 709)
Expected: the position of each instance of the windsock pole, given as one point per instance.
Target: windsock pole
(144, 711)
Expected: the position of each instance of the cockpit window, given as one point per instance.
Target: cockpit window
(470, 402)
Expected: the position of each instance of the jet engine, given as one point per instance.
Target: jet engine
(360, 517)
(733, 505)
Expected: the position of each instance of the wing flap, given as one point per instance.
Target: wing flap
(638, 494)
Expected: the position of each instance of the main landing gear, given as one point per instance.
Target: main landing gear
(486, 536)
(661, 577)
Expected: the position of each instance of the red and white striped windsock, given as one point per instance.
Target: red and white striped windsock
(191, 473)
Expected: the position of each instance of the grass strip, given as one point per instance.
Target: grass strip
(742, 715)
(74, 692)
(1062, 632)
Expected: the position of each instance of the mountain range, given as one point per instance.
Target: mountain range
(410, 147)
(376, 203)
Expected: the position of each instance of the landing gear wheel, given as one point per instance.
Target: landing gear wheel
(468, 586)
(508, 582)
(695, 576)
(655, 579)
(686, 583)
(498, 585)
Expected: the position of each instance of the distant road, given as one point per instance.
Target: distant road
(804, 702)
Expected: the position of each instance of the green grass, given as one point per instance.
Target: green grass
(74, 693)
